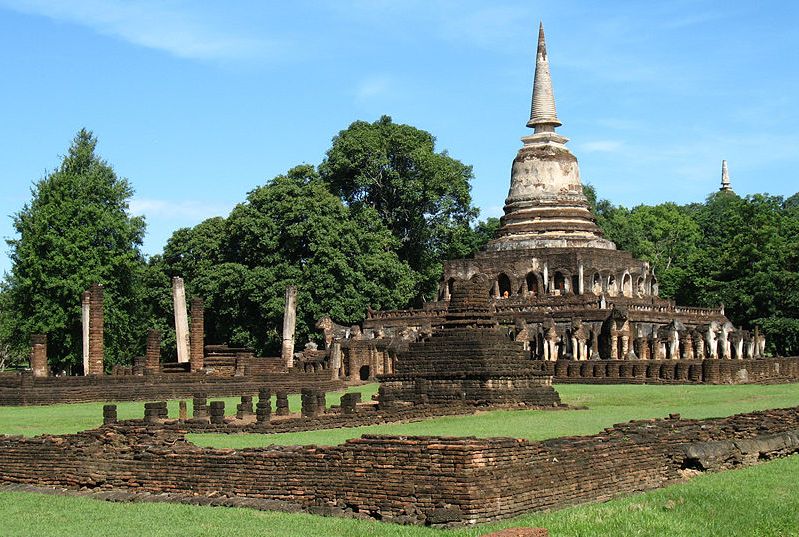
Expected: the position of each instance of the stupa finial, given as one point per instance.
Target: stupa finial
(725, 178)
(543, 117)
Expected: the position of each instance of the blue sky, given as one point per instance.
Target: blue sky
(196, 103)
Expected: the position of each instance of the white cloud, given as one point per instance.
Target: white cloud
(149, 23)
(184, 210)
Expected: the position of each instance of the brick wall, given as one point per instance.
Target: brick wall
(674, 371)
(430, 480)
(25, 390)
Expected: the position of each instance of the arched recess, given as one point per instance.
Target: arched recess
(627, 285)
(613, 286)
(559, 282)
(596, 284)
(533, 284)
(364, 373)
(503, 284)
(640, 286)
(653, 286)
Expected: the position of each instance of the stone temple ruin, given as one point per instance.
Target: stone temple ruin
(553, 280)
(469, 360)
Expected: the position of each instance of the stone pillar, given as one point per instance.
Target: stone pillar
(85, 310)
(625, 346)
(263, 409)
(310, 403)
(96, 326)
(688, 346)
(109, 414)
(39, 355)
(181, 319)
(335, 360)
(197, 335)
(289, 324)
(724, 338)
(282, 404)
(674, 344)
(183, 413)
(699, 345)
(712, 346)
(200, 406)
(153, 412)
(349, 402)
(580, 283)
(152, 359)
(244, 408)
(546, 277)
(217, 412)
(639, 346)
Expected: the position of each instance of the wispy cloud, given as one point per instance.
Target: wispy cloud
(184, 210)
(160, 25)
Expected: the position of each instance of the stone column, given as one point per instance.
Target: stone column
(197, 335)
(289, 324)
(152, 359)
(614, 344)
(96, 326)
(674, 344)
(688, 346)
(85, 309)
(625, 345)
(580, 283)
(712, 346)
(39, 355)
(699, 345)
(181, 319)
(335, 359)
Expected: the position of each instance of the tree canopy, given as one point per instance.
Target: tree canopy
(291, 231)
(421, 195)
(76, 230)
(742, 252)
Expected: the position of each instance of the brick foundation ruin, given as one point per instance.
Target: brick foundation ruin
(24, 389)
(470, 360)
(421, 480)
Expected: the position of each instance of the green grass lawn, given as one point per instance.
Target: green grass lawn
(762, 500)
(606, 404)
(65, 419)
(758, 501)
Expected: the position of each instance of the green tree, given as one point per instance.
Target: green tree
(421, 195)
(291, 231)
(76, 230)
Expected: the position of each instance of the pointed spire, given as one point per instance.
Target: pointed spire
(543, 117)
(725, 178)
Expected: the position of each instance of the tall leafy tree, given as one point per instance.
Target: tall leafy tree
(76, 230)
(291, 231)
(422, 196)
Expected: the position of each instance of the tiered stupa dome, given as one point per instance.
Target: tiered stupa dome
(546, 207)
